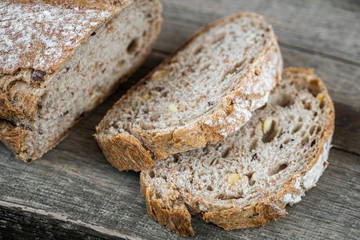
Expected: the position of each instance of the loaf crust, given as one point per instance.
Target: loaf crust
(229, 217)
(21, 102)
(19, 61)
(159, 144)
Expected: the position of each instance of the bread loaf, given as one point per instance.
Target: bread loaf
(204, 92)
(60, 59)
(248, 178)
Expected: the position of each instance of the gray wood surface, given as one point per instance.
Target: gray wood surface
(72, 192)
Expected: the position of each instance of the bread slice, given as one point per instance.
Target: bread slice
(204, 92)
(247, 179)
(60, 59)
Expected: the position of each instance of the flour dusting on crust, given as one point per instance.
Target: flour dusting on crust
(41, 36)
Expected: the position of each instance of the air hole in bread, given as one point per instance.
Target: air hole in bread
(164, 94)
(313, 143)
(176, 158)
(263, 107)
(155, 117)
(198, 50)
(209, 188)
(312, 130)
(297, 128)
(214, 162)
(318, 130)
(223, 196)
(305, 140)
(252, 134)
(253, 145)
(322, 104)
(157, 195)
(303, 133)
(121, 63)
(251, 181)
(314, 87)
(278, 169)
(270, 135)
(205, 67)
(219, 38)
(132, 46)
(285, 101)
(152, 174)
(226, 153)
(307, 105)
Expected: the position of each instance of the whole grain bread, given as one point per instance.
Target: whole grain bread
(248, 178)
(60, 59)
(204, 92)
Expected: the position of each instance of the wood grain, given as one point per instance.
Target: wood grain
(115, 203)
(330, 27)
(73, 193)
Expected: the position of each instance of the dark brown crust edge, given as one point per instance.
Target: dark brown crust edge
(15, 137)
(231, 218)
(195, 135)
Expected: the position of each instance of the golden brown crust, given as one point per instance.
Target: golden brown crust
(200, 133)
(123, 150)
(176, 217)
(15, 138)
(12, 136)
(269, 209)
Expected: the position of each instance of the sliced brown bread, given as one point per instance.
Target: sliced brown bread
(60, 59)
(247, 179)
(204, 92)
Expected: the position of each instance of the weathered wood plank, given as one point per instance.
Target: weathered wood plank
(18, 224)
(330, 27)
(94, 193)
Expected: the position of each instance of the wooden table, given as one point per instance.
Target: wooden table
(72, 192)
